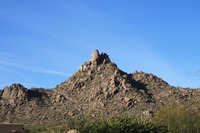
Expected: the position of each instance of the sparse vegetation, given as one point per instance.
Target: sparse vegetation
(118, 124)
(179, 119)
(99, 90)
(123, 124)
(173, 119)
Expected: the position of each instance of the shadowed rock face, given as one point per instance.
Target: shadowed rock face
(1, 91)
(15, 91)
(97, 89)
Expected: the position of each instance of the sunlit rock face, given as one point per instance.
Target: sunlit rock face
(94, 56)
(15, 91)
(98, 89)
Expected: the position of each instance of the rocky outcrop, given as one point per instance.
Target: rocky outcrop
(94, 56)
(97, 89)
(15, 91)
(147, 78)
(99, 58)
(102, 87)
(95, 60)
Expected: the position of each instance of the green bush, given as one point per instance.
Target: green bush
(118, 124)
(35, 129)
(179, 119)
(123, 124)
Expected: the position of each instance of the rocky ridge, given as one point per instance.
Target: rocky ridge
(97, 89)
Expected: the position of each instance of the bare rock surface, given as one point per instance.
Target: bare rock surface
(15, 91)
(73, 131)
(97, 89)
(94, 56)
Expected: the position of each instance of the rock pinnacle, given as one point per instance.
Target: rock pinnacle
(94, 56)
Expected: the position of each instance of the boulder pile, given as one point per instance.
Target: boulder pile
(98, 89)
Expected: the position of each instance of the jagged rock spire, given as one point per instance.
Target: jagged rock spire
(98, 90)
(99, 58)
(94, 56)
(95, 60)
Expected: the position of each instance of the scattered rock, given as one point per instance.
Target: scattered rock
(70, 113)
(60, 98)
(100, 88)
(126, 99)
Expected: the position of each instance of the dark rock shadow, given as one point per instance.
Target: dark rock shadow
(36, 94)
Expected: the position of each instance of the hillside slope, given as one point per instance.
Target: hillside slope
(97, 89)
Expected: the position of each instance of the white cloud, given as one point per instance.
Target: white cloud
(10, 59)
(13, 64)
(33, 68)
(8, 70)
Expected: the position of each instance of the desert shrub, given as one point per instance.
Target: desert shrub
(35, 129)
(178, 119)
(123, 124)
(118, 124)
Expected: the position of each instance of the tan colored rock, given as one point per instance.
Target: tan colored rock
(98, 91)
(73, 131)
(59, 98)
(15, 91)
(126, 99)
(70, 113)
(94, 56)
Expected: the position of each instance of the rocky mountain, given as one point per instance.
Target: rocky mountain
(97, 89)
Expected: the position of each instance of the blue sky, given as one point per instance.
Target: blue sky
(44, 41)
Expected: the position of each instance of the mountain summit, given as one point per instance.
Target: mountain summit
(97, 89)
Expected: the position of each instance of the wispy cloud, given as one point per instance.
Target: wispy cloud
(33, 68)
(22, 66)
(8, 70)
(8, 55)
(55, 72)
(16, 61)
